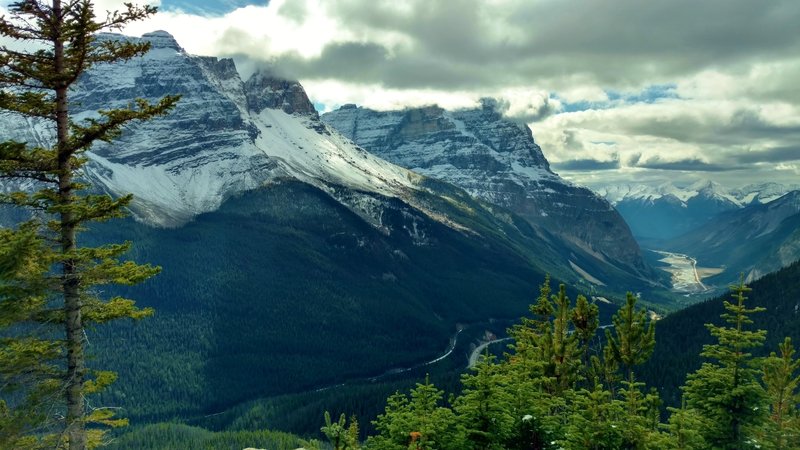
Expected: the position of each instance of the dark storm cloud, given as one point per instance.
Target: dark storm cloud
(587, 165)
(351, 61)
(360, 62)
(773, 155)
(687, 165)
(524, 111)
(634, 159)
(473, 43)
(713, 128)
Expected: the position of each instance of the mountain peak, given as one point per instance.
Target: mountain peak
(265, 90)
(162, 39)
(498, 161)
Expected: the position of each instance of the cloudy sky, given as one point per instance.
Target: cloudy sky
(614, 90)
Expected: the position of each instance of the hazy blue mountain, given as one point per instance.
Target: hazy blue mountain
(662, 212)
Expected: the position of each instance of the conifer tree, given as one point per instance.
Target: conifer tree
(633, 339)
(781, 381)
(36, 84)
(683, 432)
(596, 422)
(484, 408)
(339, 434)
(726, 393)
(586, 319)
(418, 422)
(546, 338)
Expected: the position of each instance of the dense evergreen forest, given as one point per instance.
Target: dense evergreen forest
(220, 364)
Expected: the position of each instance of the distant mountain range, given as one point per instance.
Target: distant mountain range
(663, 212)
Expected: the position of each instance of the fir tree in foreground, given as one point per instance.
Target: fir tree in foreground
(49, 281)
(726, 393)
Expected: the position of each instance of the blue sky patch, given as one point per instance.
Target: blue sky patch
(650, 94)
(208, 7)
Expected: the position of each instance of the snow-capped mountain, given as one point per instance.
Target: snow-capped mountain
(224, 137)
(496, 160)
(762, 192)
(228, 136)
(665, 211)
(708, 189)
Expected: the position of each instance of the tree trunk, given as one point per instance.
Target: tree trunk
(75, 420)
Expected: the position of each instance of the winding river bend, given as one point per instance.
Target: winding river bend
(683, 268)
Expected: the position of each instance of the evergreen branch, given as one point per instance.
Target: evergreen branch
(32, 104)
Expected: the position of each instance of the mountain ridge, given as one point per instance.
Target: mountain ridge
(662, 212)
(498, 161)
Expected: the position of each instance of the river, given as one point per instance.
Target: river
(683, 268)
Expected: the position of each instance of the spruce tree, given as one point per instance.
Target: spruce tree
(36, 84)
(726, 392)
(633, 339)
(418, 422)
(781, 381)
(484, 407)
(339, 434)
(586, 320)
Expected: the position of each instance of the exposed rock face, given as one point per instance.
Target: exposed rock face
(228, 136)
(496, 160)
(266, 91)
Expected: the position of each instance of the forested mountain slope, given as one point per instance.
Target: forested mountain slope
(680, 336)
(292, 259)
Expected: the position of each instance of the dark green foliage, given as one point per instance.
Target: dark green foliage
(167, 436)
(597, 422)
(293, 284)
(484, 408)
(520, 403)
(340, 435)
(417, 421)
(632, 338)
(534, 399)
(781, 380)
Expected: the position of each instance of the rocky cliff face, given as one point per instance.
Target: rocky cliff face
(496, 160)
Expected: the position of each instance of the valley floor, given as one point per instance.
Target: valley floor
(687, 278)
